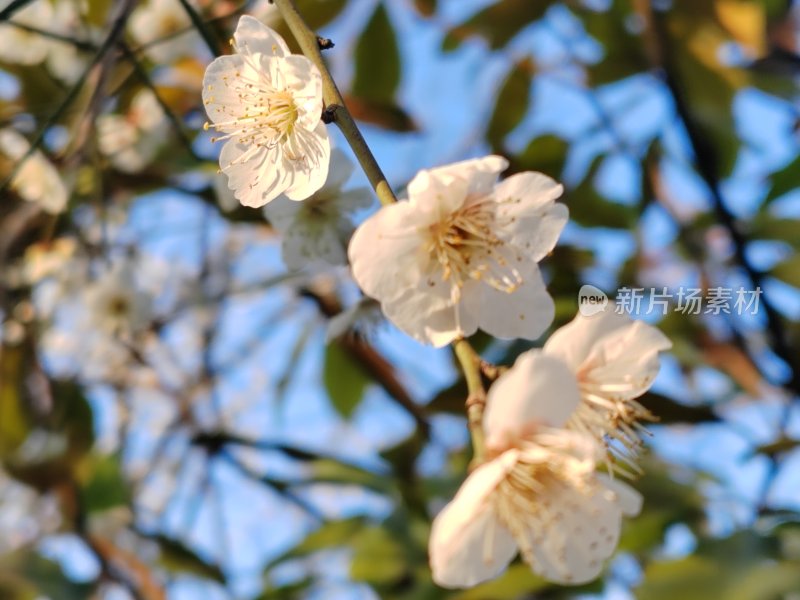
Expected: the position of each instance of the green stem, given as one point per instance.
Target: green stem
(470, 363)
(336, 109)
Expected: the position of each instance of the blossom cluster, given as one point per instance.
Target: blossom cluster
(460, 253)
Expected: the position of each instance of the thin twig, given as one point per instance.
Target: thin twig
(470, 362)
(336, 110)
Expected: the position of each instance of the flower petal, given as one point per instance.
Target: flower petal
(539, 390)
(253, 36)
(524, 313)
(468, 544)
(611, 348)
(307, 157)
(574, 533)
(384, 252)
(629, 500)
(481, 173)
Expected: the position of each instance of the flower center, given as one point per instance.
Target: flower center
(263, 116)
(467, 246)
(118, 306)
(608, 413)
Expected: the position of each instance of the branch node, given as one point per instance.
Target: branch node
(329, 114)
(324, 43)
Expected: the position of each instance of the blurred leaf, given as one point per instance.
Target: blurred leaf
(345, 380)
(740, 567)
(623, 50)
(377, 76)
(518, 581)
(377, 557)
(691, 578)
(767, 227)
(330, 535)
(377, 60)
(546, 154)
(178, 558)
(331, 471)
(589, 208)
(28, 576)
(696, 40)
(788, 271)
(784, 181)
(13, 423)
(767, 582)
(511, 104)
(385, 115)
(105, 486)
(497, 23)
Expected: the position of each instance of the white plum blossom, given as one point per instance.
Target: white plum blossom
(115, 304)
(614, 360)
(164, 27)
(21, 46)
(132, 140)
(318, 229)
(462, 253)
(537, 494)
(267, 103)
(36, 179)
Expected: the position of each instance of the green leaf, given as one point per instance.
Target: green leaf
(105, 486)
(767, 582)
(498, 23)
(768, 227)
(546, 154)
(788, 271)
(623, 51)
(26, 575)
(377, 557)
(518, 581)
(178, 558)
(377, 60)
(511, 104)
(13, 422)
(344, 379)
(784, 180)
(691, 578)
(330, 535)
(588, 207)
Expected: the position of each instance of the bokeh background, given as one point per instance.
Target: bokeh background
(261, 433)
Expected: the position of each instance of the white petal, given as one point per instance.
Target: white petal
(309, 173)
(611, 348)
(303, 246)
(340, 170)
(217, 95)
(535, 191)
(628, 499)
(385, 252)
(481, 173)
(427, 314)
(534, 232)
(434, 197)
(539, 390)
(467, 544)
(253, 36)
(524, 313)
(574, 341)
(576, 534)
(282, 212)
